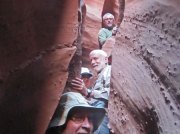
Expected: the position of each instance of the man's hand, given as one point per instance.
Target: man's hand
(115, 30)
(78, 85)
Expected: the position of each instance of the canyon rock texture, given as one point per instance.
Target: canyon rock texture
(37, 44)
(41, 43)
(145, 93)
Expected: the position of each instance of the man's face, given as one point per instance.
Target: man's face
(98, 62)
(79, 122)
(108, 21)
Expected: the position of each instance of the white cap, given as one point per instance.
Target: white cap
(86, 71)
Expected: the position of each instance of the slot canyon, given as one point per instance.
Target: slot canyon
(44, 43)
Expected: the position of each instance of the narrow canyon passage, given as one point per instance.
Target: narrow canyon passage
(44, 43)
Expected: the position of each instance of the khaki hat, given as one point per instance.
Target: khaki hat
(69, 101)
(86, 71)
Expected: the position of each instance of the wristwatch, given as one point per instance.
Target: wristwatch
(89, 91)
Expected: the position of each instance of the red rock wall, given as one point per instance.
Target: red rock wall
(91, 28)
(36, 40)
(145, 71)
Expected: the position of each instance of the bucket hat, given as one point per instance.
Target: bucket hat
(86, 71)
(69, 101)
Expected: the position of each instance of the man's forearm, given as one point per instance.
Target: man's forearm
(100, 94)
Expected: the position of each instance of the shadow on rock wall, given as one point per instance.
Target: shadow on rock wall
(36, 40)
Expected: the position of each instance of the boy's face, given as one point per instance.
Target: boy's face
(87, 80)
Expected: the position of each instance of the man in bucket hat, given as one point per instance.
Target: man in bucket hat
(74, 115)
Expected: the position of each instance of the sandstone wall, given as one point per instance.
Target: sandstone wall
(36, 46)
(145, 70)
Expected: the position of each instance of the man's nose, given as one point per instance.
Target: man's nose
(86, 123)
(92, 62)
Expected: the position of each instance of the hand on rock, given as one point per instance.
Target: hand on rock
(115, 30)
